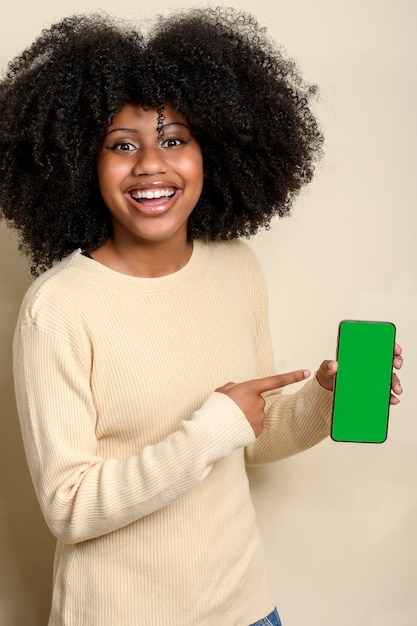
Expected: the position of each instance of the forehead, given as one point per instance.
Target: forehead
(138, 117)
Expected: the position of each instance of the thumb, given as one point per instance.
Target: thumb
(325, 374)
(260, 385)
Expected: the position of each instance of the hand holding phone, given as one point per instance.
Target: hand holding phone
(363, 381)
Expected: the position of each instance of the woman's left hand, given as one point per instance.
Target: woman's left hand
(327, 370)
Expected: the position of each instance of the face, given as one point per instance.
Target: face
(149, 183)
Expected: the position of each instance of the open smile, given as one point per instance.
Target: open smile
(153, 201)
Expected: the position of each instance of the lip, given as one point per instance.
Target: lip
(151, 185)
(162, 205)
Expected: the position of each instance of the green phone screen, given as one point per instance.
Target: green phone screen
(363, 381)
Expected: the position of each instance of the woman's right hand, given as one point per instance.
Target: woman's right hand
(248, 395)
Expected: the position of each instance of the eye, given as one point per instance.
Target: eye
(122, 146)
(172, 142)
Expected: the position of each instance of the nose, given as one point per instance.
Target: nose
(149, 161)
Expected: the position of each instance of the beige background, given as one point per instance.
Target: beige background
(339, 521)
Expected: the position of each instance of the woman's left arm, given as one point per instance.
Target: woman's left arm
(295, 422)
(300, 420)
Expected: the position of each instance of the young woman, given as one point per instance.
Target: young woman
(131, 168)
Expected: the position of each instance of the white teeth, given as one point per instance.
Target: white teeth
(150, 195)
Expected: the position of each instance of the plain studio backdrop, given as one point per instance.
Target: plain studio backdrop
(339, 521)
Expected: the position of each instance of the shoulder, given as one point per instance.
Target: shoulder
(236, 258)
(235, 268)
(235, 252)
(53, 292)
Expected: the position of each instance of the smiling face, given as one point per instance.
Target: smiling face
(149, 181)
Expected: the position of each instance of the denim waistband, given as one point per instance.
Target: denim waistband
(270, 620)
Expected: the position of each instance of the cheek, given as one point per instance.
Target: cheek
(194, 169)
(109, 175)
(101, 173)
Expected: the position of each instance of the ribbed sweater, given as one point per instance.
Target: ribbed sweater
(138, 465)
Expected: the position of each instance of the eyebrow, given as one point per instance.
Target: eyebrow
(134, 130)
(176, 124)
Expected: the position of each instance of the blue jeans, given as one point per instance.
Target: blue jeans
(271, 620)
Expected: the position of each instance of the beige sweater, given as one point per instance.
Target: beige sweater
(138, 465)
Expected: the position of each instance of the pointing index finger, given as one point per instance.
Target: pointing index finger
(260, 385)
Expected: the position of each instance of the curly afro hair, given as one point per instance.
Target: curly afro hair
(246, 103)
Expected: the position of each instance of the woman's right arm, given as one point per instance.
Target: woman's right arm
(83, 495)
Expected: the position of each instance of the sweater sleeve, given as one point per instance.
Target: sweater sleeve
(81, 494)
(293, 421)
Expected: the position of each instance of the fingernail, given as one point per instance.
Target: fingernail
(307, 373)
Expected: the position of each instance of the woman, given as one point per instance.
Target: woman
(132, 167)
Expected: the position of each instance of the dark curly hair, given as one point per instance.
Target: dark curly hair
(246, 103)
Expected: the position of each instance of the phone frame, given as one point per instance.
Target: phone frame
(337, 432)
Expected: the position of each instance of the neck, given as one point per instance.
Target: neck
(144, 261)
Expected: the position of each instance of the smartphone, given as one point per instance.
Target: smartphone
(365, 351)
